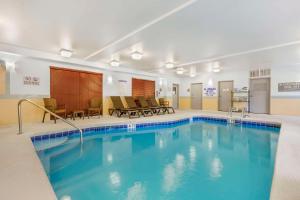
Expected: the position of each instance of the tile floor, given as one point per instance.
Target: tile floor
(22, 175)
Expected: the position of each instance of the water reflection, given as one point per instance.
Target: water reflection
(192, 154)
(173, 173)
(225, 137)
(259, 147)
(216, 167)
(141, 142)
(115, 179)
(157, 164)
(196, 132)
(136, 192)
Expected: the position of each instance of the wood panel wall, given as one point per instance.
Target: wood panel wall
(142, 87)
(74, 88)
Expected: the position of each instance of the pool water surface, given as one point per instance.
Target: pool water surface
(199, 160)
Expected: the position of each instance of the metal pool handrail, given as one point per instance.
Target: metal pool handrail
(46, 110)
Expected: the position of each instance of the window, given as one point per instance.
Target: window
(142, 87)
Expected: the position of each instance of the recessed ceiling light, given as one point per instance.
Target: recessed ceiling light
(65, 53)
(169, 65)
(115, 63)
(136, 55)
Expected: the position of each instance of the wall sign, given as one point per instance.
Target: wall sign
(211, 91)
(31, 80)
(289, 87)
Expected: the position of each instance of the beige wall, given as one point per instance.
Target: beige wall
(285, 106)
(9, 111)
(210, 103)
(279, 106)
(2, 80)
(184, 102)
(9, 115)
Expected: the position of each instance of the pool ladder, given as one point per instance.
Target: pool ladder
(46, 110)
(231, 120)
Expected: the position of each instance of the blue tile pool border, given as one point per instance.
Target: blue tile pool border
(138, 126)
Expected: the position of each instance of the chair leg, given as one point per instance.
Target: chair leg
(54, 120)
(44, 117)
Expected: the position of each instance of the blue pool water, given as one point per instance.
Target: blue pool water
(200, 160)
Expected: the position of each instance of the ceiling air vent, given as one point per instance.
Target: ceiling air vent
(260, 73)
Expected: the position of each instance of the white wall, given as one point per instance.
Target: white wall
(121, 81)
(279, 74)
(240, 79)
(29, 67)
(282, 74)
(114, 83)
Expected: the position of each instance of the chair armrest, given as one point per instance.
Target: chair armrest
(166, 103)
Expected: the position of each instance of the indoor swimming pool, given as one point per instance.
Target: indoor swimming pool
(189, 160)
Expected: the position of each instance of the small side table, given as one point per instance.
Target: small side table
(78, 113)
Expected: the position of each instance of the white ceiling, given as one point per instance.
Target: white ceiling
(170, 30)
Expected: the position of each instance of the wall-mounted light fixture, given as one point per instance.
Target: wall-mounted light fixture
(160, 82)
(66, 53)
(136, 55)
(109, 80)
(10, 66)
(193, 71)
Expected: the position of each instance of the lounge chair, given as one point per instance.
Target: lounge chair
(165, 108)
(121, 110)
(51, 104)
(155, 109)
(131, 104)
(95, 107)
(163, 102)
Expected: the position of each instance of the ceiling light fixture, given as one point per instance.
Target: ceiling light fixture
(216, 67)
(136, 55)
(114, 63)
(169, 65)
(216, 70)
(180, 70)
(66, 53)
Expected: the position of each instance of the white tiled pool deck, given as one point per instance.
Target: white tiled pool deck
(22, 175)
